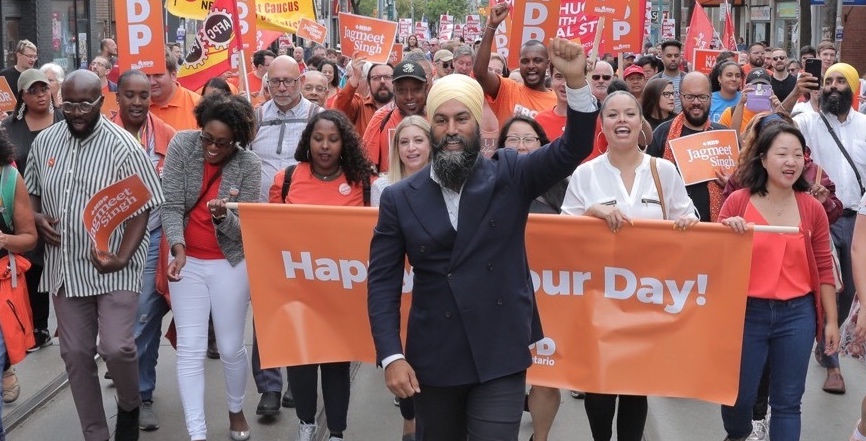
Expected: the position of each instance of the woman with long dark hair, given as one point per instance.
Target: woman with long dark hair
(329, 69)
(657, 101)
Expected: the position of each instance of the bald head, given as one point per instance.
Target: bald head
(283, 75)
(697, 80)
(84, 81)
(284, 64)
(695, 97)
(314, 87)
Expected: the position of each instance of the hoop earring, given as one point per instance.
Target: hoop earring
(21, 111)
(645, 145)
(309, 157)
(598, 143)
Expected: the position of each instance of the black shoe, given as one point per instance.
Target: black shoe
(127, 425)
(43, 339)
(212, 352)
(269, 405)
(107, 375)
(288, 399)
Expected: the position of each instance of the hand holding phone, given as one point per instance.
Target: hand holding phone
(758, 100)
(813, 67)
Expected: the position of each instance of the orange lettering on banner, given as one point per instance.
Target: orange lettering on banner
(140, 36)
(7, 96)
(112, 205)
(700, 155)
(312, 30)
(364, 35)
(610, 303)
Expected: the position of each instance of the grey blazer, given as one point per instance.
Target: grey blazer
(182, 183)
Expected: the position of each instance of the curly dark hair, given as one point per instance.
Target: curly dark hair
(353, 159)
(231, 110)
(336, 80)
(7, 149)
(503, 133)
(751, 173)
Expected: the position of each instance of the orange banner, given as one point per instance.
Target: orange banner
(699, 156)
(364, 35)
(140, 36)
(112, 205)
(616, 308)
(612, 9)
(247, 22)
(527, 20)
(312, 30)
(7, 96)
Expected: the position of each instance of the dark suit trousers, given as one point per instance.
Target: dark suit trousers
(489, 411)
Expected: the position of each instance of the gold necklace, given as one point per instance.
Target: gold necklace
(327, 178)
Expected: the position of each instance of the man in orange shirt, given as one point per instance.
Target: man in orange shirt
(170, 101)
(360, 108)
(505, 96)
(261, 61)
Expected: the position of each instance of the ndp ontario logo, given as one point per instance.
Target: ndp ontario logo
(543, 352)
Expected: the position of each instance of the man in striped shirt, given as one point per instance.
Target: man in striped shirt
(94, 292)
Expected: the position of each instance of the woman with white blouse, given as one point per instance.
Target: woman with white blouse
(618, 186)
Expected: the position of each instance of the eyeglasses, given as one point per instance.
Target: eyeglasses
(37, 90)
(206, 141)
(780, 58)
(96, 63)
(701, 98)
(288, 82)
(513, 140)
(310, 88)
(668, 94)
(381, 78)
(447, 65)
(85, 107)
(30, 56)
(604, 77)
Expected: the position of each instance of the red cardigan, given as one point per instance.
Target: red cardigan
(813, 225)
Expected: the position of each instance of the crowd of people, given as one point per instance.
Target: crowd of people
(444, 140)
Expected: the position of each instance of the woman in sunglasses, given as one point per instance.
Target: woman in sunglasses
(203, 170)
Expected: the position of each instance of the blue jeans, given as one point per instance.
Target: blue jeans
(780, 332)
(842, 232)
(148, 325)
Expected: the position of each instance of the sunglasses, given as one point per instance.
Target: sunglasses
(604, 77)
(447, 64)
(780, 58)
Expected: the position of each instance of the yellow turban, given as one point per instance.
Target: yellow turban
(456, 87)
(850, 73)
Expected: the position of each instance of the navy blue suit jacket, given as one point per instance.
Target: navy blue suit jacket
(473, 304)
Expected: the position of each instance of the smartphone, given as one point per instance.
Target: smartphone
(813, 66)
(759, 99)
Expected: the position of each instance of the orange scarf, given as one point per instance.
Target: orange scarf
(714, 188)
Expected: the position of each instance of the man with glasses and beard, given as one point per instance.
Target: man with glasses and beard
(360, 107)
(93, 291)
(838, 95)
(695, 96)
(461, 223)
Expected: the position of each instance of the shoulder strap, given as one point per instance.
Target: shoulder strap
(655, 172)
(287, 182)
(259, 115)
(8, 181)
(385, 120)
(844, 153)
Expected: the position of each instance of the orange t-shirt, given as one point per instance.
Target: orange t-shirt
(200, 232)
(517, 99)
(728, 114)
(109, 104)
(378, 138)
(553, 124)
(177, 112)
(782, 272)
(307, 189)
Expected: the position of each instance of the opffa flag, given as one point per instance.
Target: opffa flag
(215, 44)
(701, 32)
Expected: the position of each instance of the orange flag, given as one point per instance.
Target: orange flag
(215, 45)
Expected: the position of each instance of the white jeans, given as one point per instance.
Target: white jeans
(210, 288)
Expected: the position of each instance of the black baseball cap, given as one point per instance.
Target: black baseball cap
(758, 75)
(409, 69)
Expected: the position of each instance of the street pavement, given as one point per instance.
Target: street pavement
(45, 410)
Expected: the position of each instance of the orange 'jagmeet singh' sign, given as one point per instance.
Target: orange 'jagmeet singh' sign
(368, 36)
(699, 156)
(610, 303)
(112, 205)
(7, 96)
(311, 30)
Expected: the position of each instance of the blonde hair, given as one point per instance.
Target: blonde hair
(396, 169)
(25, 44)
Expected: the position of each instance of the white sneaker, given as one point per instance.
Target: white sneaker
(334, 438)
(759, 431)
(306, 432)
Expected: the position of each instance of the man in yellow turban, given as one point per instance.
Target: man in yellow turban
(838, 91)
(461, 224)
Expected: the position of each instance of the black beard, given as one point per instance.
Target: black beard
(454, 167)
(696, 122)
(387, 99)
(87, 130)
(837, 106)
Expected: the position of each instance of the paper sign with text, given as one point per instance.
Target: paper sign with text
(396, 54)
(140, 36)
(617, 35)
(609, 303)
(7, 96)
(611, 9)
(370, 36)
(705, 59)
(698, 156)
(312, 30)
(111, 206)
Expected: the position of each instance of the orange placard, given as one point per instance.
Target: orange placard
(705, 59)
(612, 9)
(396, 54)
(699, 156)
(370, 36)
(7, 96)
(312, 30)
(112, 205)
(614, 306)
(527, 20)
(140, 36)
